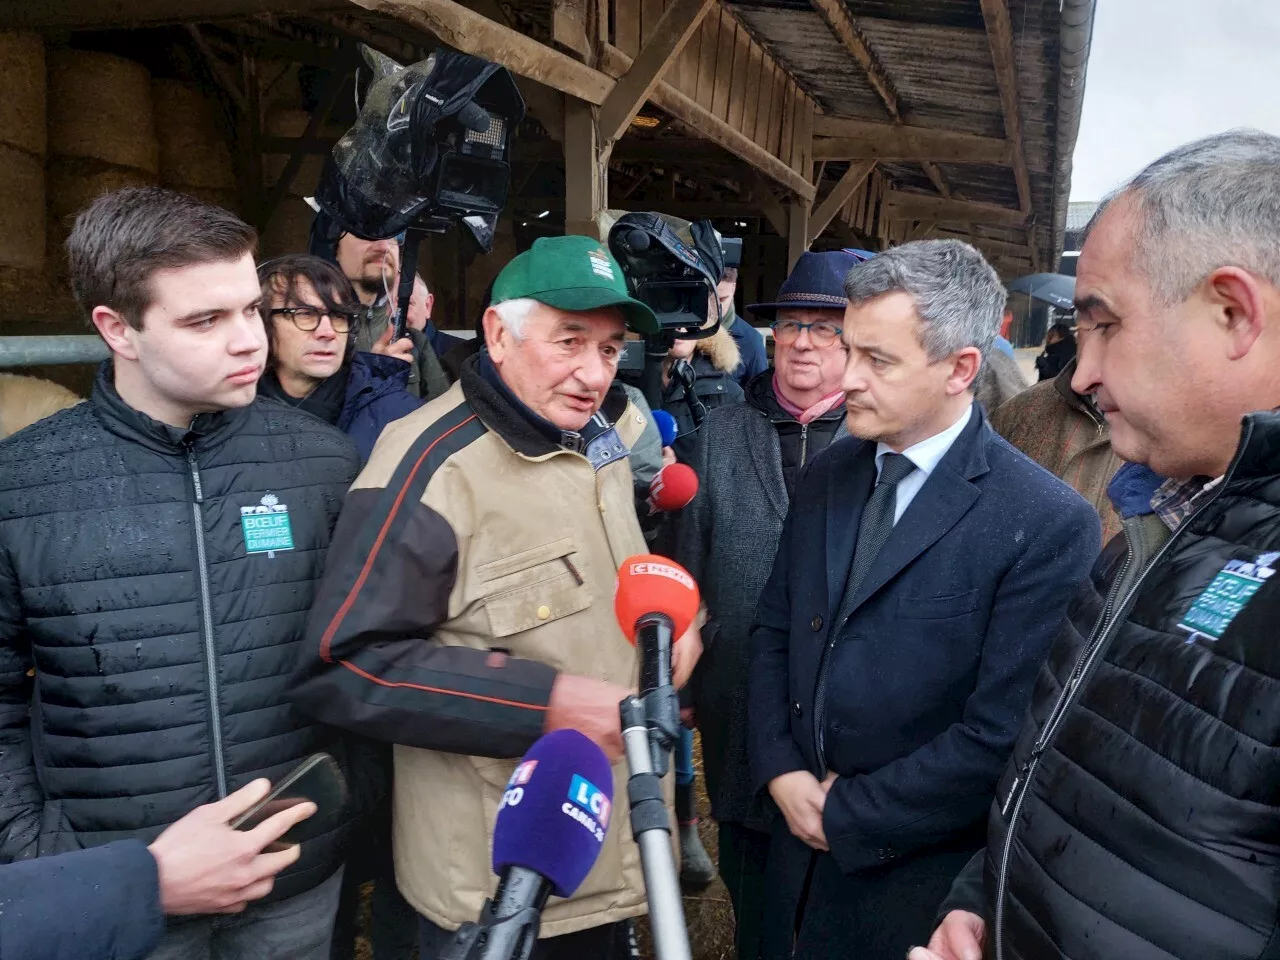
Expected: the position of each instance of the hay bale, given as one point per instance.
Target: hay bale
(291, 122)
(193, 150)
(74, 183)
(22, 78)
(289, 230)
(23, 293)
(100, 108)
(22, 190)
(226, 199)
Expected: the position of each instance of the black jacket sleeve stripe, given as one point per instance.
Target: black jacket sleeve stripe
(380, 672)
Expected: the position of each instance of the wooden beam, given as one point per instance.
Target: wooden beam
(838, 197)
(688, 209)
(995, 13)
(569, 21)
(85, 14)
(989, 247)
(222, 74)
(839, 138)
(935, 177)
(923, 230)
(615, 63)
(545, 105)
(468, 31)
(774, 210)
(842, 24)
(918, 206)
(798, 235)
(333, 86)
(670, 35)
(586, 170)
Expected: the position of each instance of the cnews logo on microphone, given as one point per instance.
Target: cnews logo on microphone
(589, 806)
(663, 570)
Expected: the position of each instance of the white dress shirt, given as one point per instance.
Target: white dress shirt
(926, 455)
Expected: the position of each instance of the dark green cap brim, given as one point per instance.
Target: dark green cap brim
(636, 315)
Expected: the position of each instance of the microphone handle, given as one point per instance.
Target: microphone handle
(654, 637)
(509, 922)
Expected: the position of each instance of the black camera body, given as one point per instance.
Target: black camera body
(430, 148)
(673, 274)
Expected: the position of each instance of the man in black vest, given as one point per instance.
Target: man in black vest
(160, 546)
(1138, 815)
(918, 582)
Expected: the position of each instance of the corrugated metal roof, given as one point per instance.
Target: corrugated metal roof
(1079, 214)
(938, 59)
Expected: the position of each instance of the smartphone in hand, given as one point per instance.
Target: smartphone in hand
(317, 779)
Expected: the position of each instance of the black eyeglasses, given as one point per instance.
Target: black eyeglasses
(823, 333)
(307, 319)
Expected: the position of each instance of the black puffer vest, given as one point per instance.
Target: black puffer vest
(1140, 816)
(154, 584)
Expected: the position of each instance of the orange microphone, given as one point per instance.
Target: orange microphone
(655, 602)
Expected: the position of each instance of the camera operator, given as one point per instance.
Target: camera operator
(698, 377)
(373, 267)
(466, 612)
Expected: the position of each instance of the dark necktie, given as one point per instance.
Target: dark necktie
(876, 524)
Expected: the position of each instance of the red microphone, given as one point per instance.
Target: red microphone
(673, 487)
(655, 602)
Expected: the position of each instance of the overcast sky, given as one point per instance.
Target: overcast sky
(1163, 72)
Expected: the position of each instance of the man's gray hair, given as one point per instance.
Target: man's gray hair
(1210, 203)
(958, 296)
(514, 313)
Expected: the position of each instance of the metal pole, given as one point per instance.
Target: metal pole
(48, 350)
(661, 881)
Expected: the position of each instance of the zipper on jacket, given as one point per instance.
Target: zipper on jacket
(206, 627)
(1104, 630)
(804, 443)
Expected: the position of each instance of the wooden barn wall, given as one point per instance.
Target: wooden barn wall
(726, 72)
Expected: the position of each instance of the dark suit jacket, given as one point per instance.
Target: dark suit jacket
(930, 676)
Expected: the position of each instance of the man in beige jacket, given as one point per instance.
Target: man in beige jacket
(467, 602)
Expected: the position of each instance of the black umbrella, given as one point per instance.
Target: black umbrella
(1052, 288)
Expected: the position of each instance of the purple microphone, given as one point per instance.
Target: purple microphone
(552, 822)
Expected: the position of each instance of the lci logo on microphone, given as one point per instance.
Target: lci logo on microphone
(589, 806)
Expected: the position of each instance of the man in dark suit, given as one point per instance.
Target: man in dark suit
(923, 569)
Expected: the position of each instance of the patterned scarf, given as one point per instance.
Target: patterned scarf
(825, 405)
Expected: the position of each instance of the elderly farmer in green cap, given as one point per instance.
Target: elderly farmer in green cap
(466, 606)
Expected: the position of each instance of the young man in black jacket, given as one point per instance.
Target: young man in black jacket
(1138, 815)
(159, 550)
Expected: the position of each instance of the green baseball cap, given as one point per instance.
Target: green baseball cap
(575, 274)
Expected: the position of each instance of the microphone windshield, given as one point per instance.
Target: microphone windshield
(673, 487)
(555, 812)
(666, 427)
(651, 584)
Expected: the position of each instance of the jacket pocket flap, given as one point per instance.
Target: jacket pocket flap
(938, 607)
(518, 610)
(525, 559)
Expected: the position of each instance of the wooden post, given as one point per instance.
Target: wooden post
(798, 232)
(586, 169)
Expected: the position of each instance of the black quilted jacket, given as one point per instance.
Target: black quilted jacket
(1140, 814)
(144, 651)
